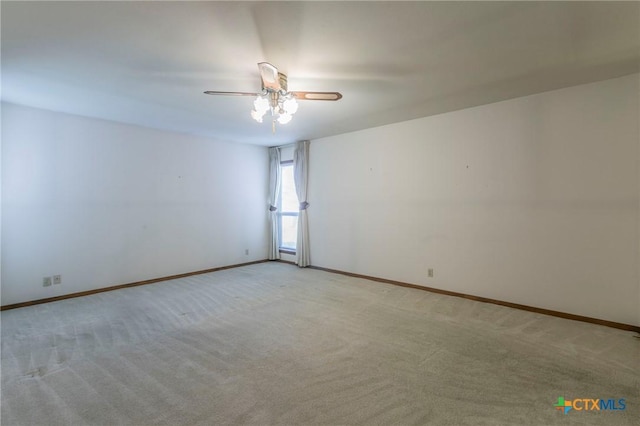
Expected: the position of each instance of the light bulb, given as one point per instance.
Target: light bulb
(284, 118)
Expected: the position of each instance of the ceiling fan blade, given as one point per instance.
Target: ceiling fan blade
(270, 76)
(215, 92)
(317, 96)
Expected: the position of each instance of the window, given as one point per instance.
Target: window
(288, 209)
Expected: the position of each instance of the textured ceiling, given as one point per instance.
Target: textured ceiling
(147, 63)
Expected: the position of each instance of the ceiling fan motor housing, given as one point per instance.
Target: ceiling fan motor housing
(283, 82)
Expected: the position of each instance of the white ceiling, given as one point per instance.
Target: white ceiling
(147, 63)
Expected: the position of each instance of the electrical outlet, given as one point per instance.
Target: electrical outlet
(46, 281)
(430, 273)
(246, 252)
(57, 279)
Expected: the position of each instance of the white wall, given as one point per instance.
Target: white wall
(103, 203)
(533, 200)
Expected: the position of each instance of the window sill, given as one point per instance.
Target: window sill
(287, 251)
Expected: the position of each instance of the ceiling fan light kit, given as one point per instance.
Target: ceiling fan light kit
(275, 97)
(281, 105)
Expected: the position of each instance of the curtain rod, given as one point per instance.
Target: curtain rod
(286, 145)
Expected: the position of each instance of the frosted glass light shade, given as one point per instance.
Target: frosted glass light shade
(290, 106)
(257, 115)
(261, 104)
(284, 118)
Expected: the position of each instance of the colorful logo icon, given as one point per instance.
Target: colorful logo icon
(563, 405)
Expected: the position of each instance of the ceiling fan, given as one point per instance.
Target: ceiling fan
(275, 97)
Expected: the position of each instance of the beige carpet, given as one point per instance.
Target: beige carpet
(271, 344)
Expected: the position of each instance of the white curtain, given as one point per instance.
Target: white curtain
(300, 177)
(274, 189)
